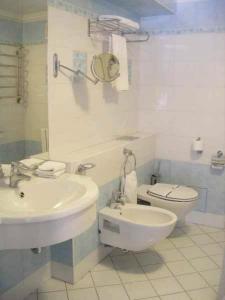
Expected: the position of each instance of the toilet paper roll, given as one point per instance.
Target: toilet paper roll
(198, 145)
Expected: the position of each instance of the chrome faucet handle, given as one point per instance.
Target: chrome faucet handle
(118, 197)
(82, 168)
(21, 166)
(14, 168)
(16, 175)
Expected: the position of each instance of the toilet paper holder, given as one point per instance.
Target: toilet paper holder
(218, 160)
(198, 145)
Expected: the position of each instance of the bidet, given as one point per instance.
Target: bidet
(135, 227)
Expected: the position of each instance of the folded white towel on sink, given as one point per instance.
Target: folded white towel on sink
(45, 174)
(52, 167)
(32, 163)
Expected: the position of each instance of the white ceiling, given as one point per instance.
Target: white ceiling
(145, 8)
(23, 7)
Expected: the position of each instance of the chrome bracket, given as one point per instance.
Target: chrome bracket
(57, 66)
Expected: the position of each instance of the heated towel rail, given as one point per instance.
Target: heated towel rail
(10, 72)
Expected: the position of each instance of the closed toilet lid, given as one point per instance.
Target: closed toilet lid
(172, 192)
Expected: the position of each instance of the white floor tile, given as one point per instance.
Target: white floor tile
(192, 281)
(148, 258)
(218, 236)
(218, 259)
(140, 290)
(164, 245)
(192, 252)
(170, 255)
(203, 264)
(124, 261)
(212, 277)
(83, 294)
(85, 282)
(52, 285)
(102, 278)
(132, 275)
(53, 296)
(182, 242)
(180, 267)
(192, 229)
(212, 249)
(112, 292)
(209, 229)
(179, 296)
(105, 264)
(152, 298)
(203, 294)
(165, 286)
(32, 296)
(157, 271)
(177, 232)
(202, 239)
(222, 245)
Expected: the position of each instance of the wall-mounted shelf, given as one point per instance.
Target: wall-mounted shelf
(108, 27)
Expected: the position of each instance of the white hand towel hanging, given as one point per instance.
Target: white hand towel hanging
(130, 187)
(119, 49)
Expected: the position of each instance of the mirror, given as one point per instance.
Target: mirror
(105, 67)
(23, 79)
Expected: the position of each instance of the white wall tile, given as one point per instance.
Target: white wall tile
(182, 93)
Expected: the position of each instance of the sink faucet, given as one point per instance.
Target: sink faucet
(16, 175)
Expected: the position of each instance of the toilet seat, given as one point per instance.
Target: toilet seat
(169, 192)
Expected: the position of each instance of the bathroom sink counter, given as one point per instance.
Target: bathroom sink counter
(44, 212)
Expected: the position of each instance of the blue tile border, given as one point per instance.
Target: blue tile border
(18, 150)
(18, 33)
(17, 265)
(209, 183)
(90, 8)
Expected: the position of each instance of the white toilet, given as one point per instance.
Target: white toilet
(176, 198)
(135, 227)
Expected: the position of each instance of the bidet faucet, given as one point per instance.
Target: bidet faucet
(118, 199)
(16, 175)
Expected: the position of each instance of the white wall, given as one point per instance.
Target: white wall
(35, 90)
(182, 93)
(81, 114)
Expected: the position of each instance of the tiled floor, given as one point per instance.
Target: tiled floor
(185, 266)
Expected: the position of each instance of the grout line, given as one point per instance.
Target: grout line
(146, 275)
(122, 283)
(96, 291)
(67, 293)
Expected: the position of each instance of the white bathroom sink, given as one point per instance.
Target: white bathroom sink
(43, 212)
